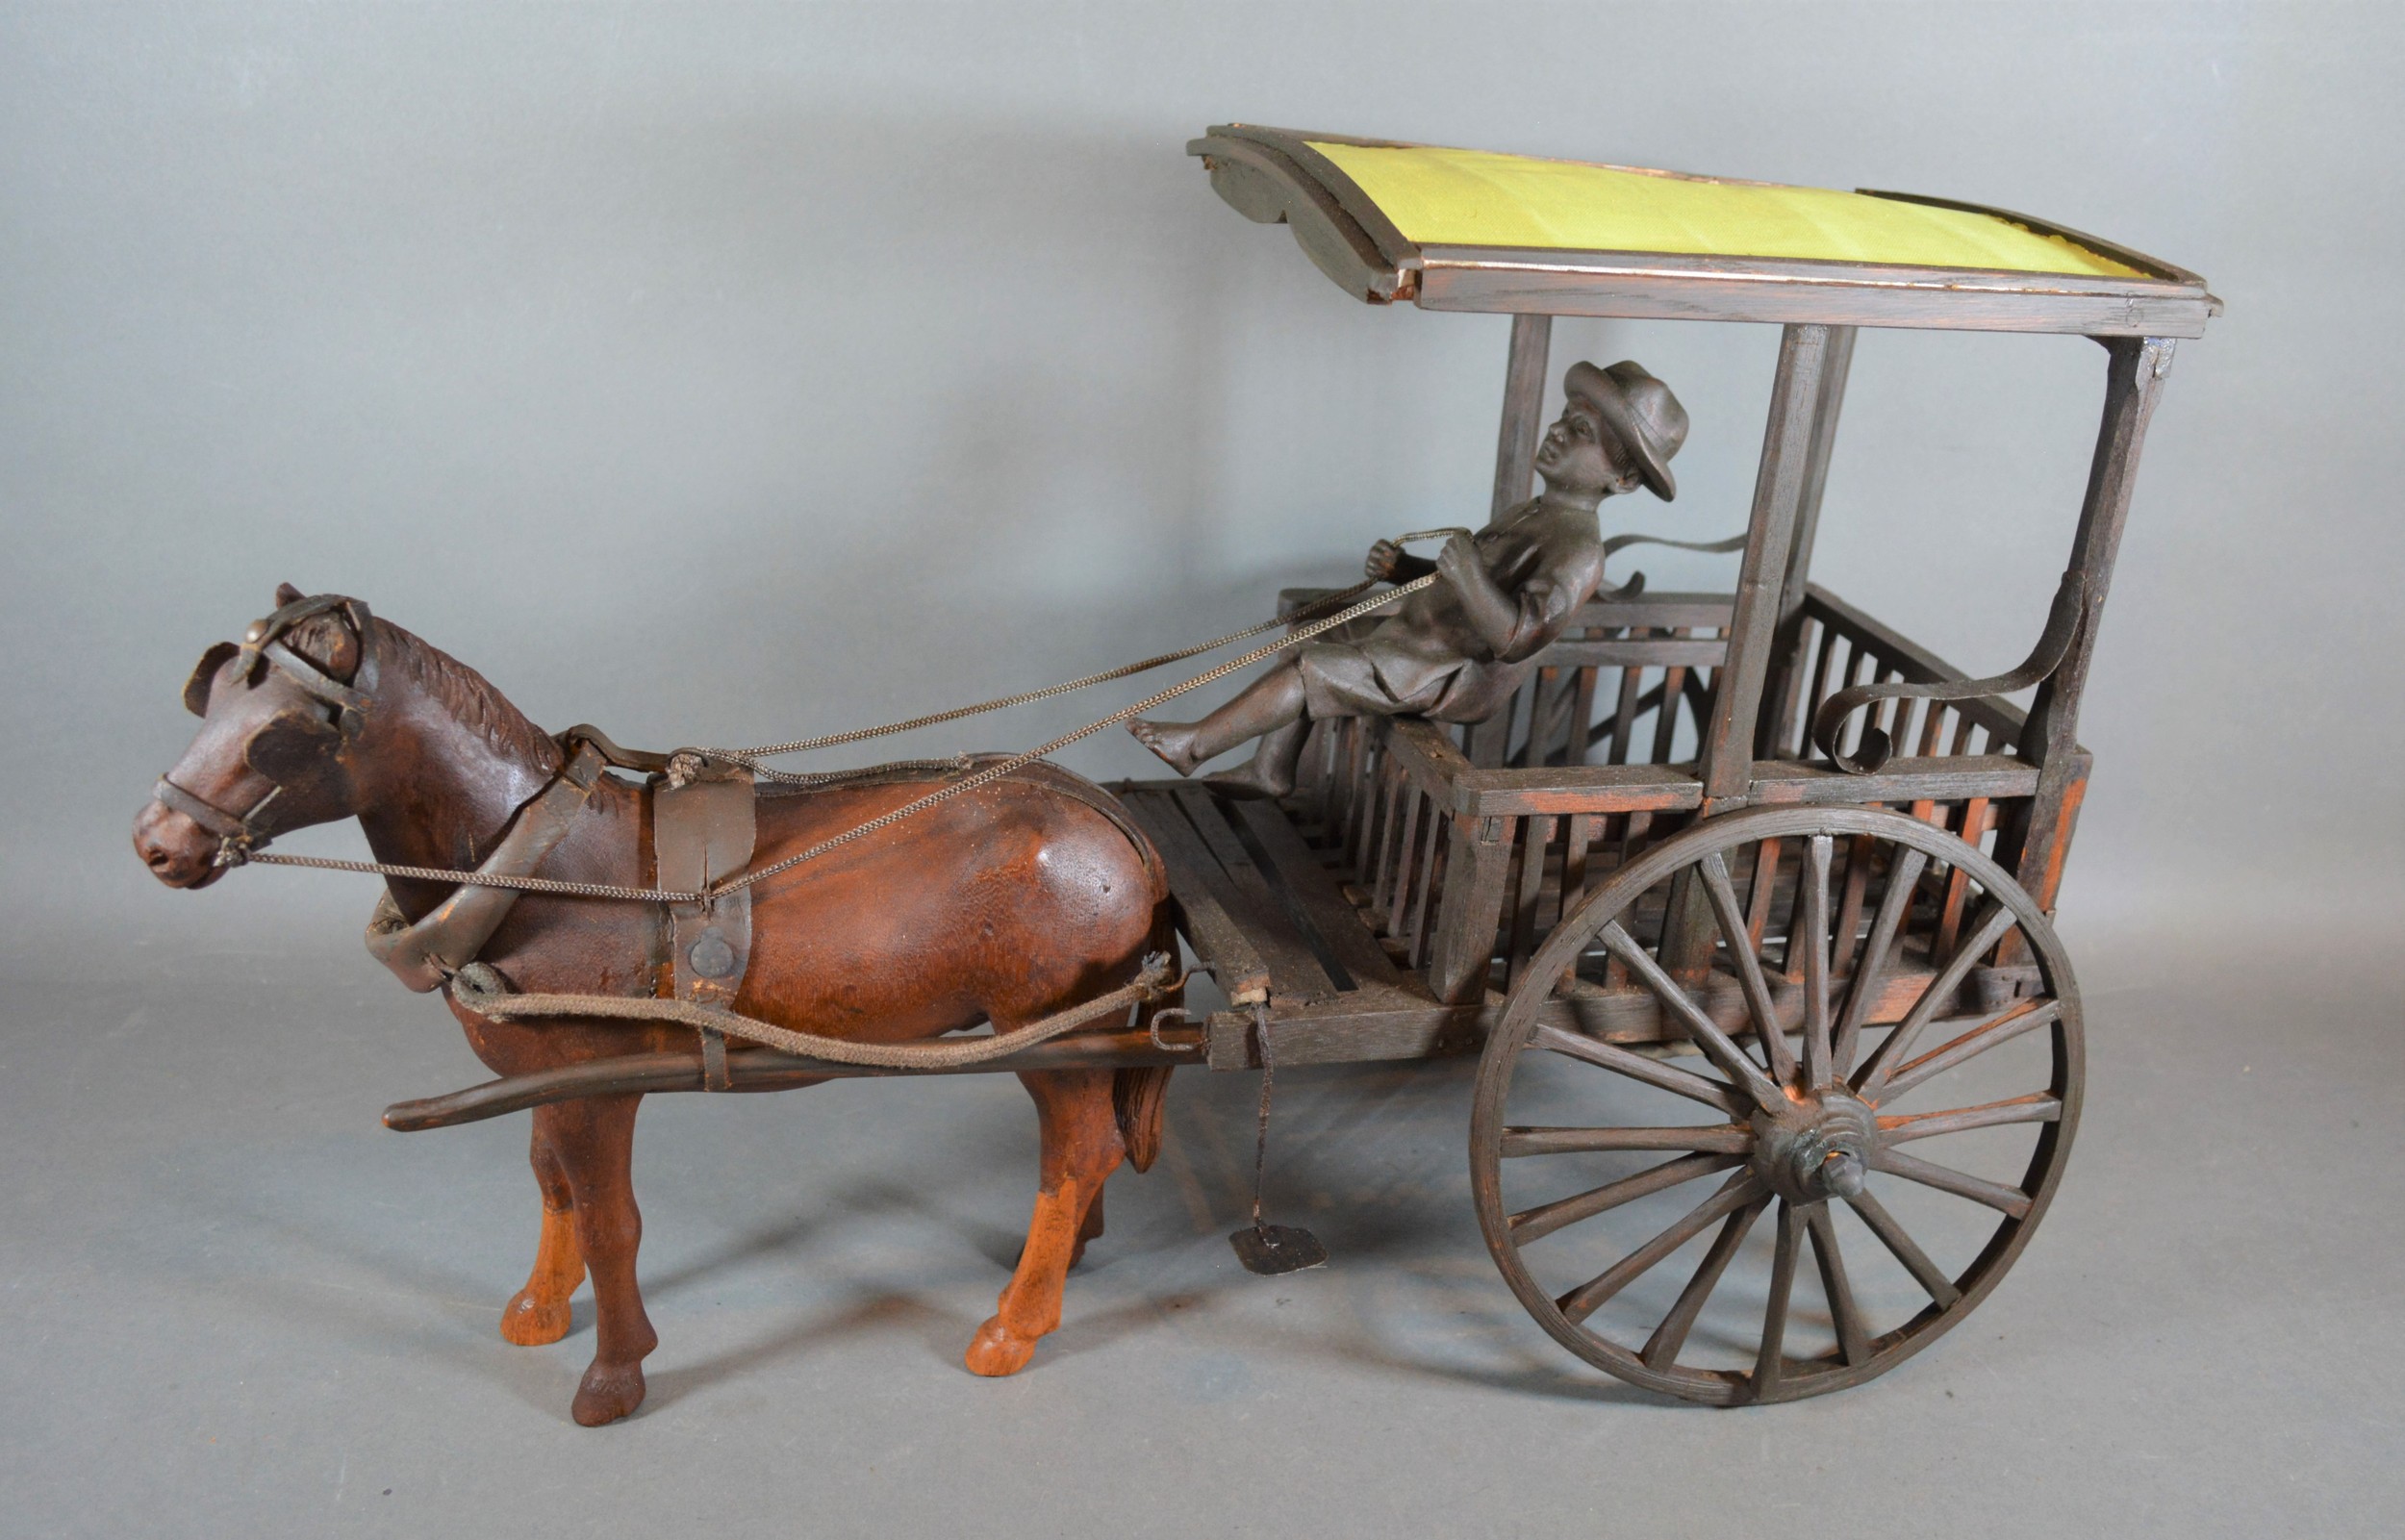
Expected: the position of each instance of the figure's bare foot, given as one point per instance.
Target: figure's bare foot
(1173, 740)
(608, 1391)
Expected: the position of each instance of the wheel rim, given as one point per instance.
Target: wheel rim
(1816, 1144)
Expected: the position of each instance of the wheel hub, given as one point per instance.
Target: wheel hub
(1818, 1148)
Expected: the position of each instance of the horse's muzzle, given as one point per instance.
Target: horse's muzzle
(178, 851)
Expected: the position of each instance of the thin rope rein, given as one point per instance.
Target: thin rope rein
(1017, 762)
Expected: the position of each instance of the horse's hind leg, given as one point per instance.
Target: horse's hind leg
(1081, 1149)
(595, 1139)
(538, 1312)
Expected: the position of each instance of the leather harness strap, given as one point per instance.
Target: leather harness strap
(703, 830)
(425, 954)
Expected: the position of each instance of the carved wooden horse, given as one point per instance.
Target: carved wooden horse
(1017, 900)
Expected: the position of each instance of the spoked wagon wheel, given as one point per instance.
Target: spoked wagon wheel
(1908, 979)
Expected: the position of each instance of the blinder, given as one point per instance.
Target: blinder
(204, 675)
(290, 743)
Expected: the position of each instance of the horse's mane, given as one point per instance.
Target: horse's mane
(467, 695)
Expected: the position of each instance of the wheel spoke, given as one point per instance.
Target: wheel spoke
(1706, 1033)
(1534, 1223)
(2024, 1017)
(1728, 1138)
(2035, 1107)
(1903, 878)
(1661, 1349)
(1852, 1338)
(1759, 1004)
(1873, 1078)
(1813, 933)
(1586, 1298)
(1638, 1067)
(1768, 1363)
(1946, 1179)
(1900, 1245)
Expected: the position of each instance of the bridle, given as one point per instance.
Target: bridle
(238, 834)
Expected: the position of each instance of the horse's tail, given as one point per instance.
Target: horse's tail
(1140, 1094)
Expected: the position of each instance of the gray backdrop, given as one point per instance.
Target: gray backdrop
(725, 373)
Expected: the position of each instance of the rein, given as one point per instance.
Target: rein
(242, 837)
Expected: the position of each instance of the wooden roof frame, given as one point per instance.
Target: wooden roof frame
(1273, 176)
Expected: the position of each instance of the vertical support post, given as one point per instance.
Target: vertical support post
(1471, 913)
(1780, 489)
(1727, 758)
(2133, 388)
(1522, 412)
(1786, 673)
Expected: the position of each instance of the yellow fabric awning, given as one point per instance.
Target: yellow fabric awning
(1446, 197)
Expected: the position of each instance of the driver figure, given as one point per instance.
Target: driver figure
(1458, 649)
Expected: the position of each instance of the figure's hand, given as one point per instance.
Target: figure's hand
(1460, 566)
(1385, 557)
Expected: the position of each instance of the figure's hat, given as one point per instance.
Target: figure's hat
(1640, 409)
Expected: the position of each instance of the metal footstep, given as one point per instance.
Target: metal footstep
(1270, 1249)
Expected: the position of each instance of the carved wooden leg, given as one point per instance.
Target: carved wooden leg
(1081, 1149)
(1090, 1230)
(538, 1312)
(595, 1144)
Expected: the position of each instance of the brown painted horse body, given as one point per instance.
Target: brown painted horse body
(1010, 902)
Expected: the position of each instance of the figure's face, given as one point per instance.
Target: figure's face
(1583, 457)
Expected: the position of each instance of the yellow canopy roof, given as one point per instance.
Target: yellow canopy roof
(1437, 197)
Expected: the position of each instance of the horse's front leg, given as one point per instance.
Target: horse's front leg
(595, 1139)
(1081, 1149)
(539, 1313)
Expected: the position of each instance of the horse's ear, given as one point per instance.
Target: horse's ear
(291, 746)
(205, 674)
(286, 593)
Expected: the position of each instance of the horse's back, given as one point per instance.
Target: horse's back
(1029, 892)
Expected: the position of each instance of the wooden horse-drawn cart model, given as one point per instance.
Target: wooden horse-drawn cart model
(1742, 897)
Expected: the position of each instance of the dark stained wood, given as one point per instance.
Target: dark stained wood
(1534, 1223)
(2035, 1107)
(1770, 1362)
(2026, 1017)
(1853, 1339)
(1661, 1349)
(1207, 903)
(1780, 486)
(1294, 970)
(1636, 1066)
(1523, 413)
(1904, 1249)
(1729, 1138)
(1658, 286)
(2133, 388)
(1315, 891)
(1589, 1298)
(2009, 1201)
(1471, 911)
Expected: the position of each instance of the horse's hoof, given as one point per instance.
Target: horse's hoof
(530, 1322)
(996, 1353)
(608, 1391)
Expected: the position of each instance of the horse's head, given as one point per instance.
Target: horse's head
(279, 712)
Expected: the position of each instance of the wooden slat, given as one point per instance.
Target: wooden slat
(1315, 891)
(1206, 900)
(1947, 779)
(1294, 970)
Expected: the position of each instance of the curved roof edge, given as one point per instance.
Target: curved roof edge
(1281, 176)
